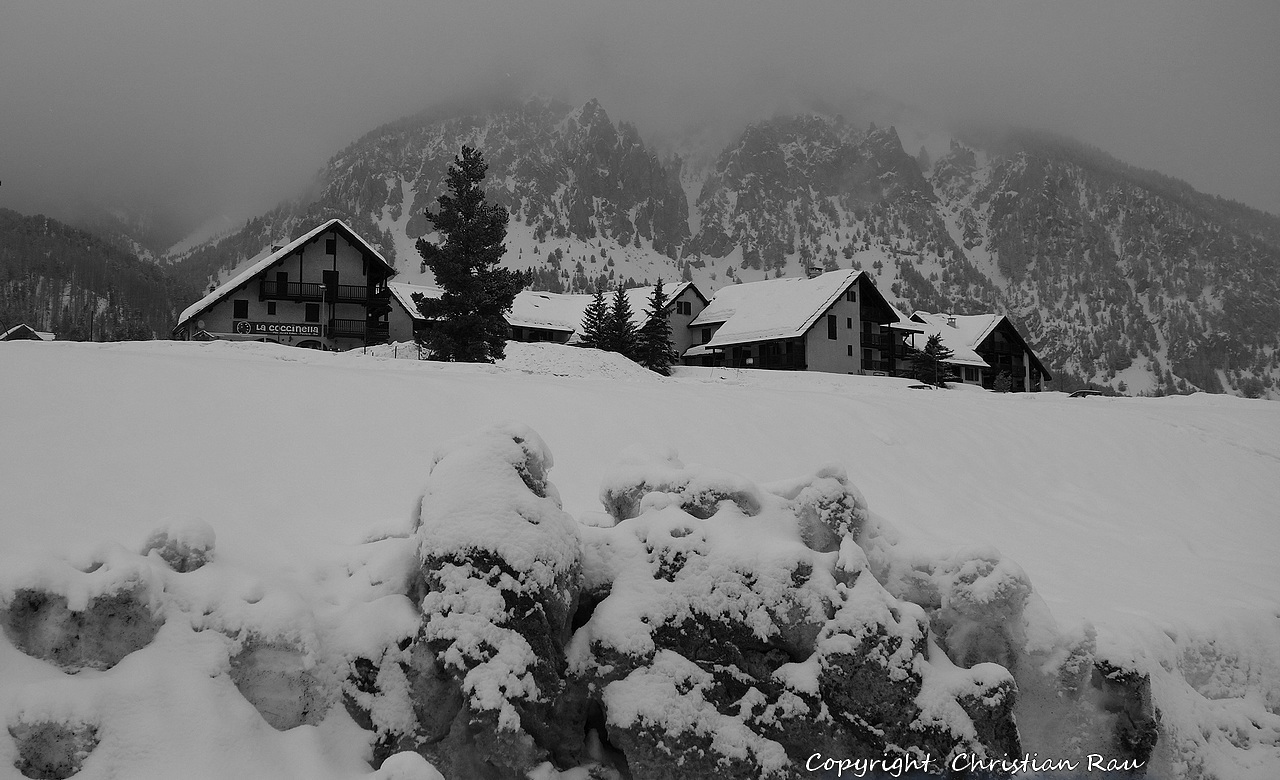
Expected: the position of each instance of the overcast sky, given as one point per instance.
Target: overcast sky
(200, 107)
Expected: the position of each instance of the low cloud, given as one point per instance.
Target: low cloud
(198, 109)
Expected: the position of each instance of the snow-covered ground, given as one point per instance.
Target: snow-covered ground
(1157, 520)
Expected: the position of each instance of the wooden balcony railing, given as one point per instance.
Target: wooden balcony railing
(309, 291)
(357, 329)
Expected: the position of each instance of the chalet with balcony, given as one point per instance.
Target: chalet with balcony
(326, 289)
(983, 347)
(836, 322)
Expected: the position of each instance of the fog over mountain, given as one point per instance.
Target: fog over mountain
(184, 111)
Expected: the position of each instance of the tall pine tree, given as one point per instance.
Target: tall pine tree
(619, 330)
(467, 320)
(656, 353)
(594, 321)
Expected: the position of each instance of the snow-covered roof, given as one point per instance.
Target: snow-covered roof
(960, 333)
(773, 308)
(546, 310)
(904, 322)
(271, 258)
(25, 331)
(564, 312)
(551, 311)
(403, 292)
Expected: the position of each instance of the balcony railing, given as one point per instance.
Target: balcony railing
(309, 291)
(290, 291)
(375, 333)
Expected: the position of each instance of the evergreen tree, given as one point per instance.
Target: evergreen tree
(467, 320)
(656, 353)
(619, 330)
(930, 364)
(594, 321)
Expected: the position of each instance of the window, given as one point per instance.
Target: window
(706, 335)
(240, 309)
(271, 308)
(851, 296)
(331, 246)
(684, 307)
(850, 350)
(831, 326)
(848, 323)
(313, 312)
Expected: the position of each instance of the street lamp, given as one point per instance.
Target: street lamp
(322, 313)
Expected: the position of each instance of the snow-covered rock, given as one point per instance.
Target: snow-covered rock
(185, 546)
(500, 574)
(737, 629)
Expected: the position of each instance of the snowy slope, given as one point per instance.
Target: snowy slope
(1154, 519)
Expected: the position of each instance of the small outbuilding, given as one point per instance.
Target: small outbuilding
(24, 332)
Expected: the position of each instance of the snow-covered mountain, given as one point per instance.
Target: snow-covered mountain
(1118, 276)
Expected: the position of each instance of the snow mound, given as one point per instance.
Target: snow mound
(541, 358)
(561, 360)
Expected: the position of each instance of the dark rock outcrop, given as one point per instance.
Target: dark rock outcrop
(52, 750)
(112, 625)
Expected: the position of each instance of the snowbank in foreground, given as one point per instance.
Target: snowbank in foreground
(1152, 518)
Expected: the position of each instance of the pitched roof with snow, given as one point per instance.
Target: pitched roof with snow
(24, 331)
(258, 266)
(963, 334)
(773, 308)
(546, 310)
(960, 334)
(403, 292)
(564, 312)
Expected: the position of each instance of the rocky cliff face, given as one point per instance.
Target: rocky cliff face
(1117, 271)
